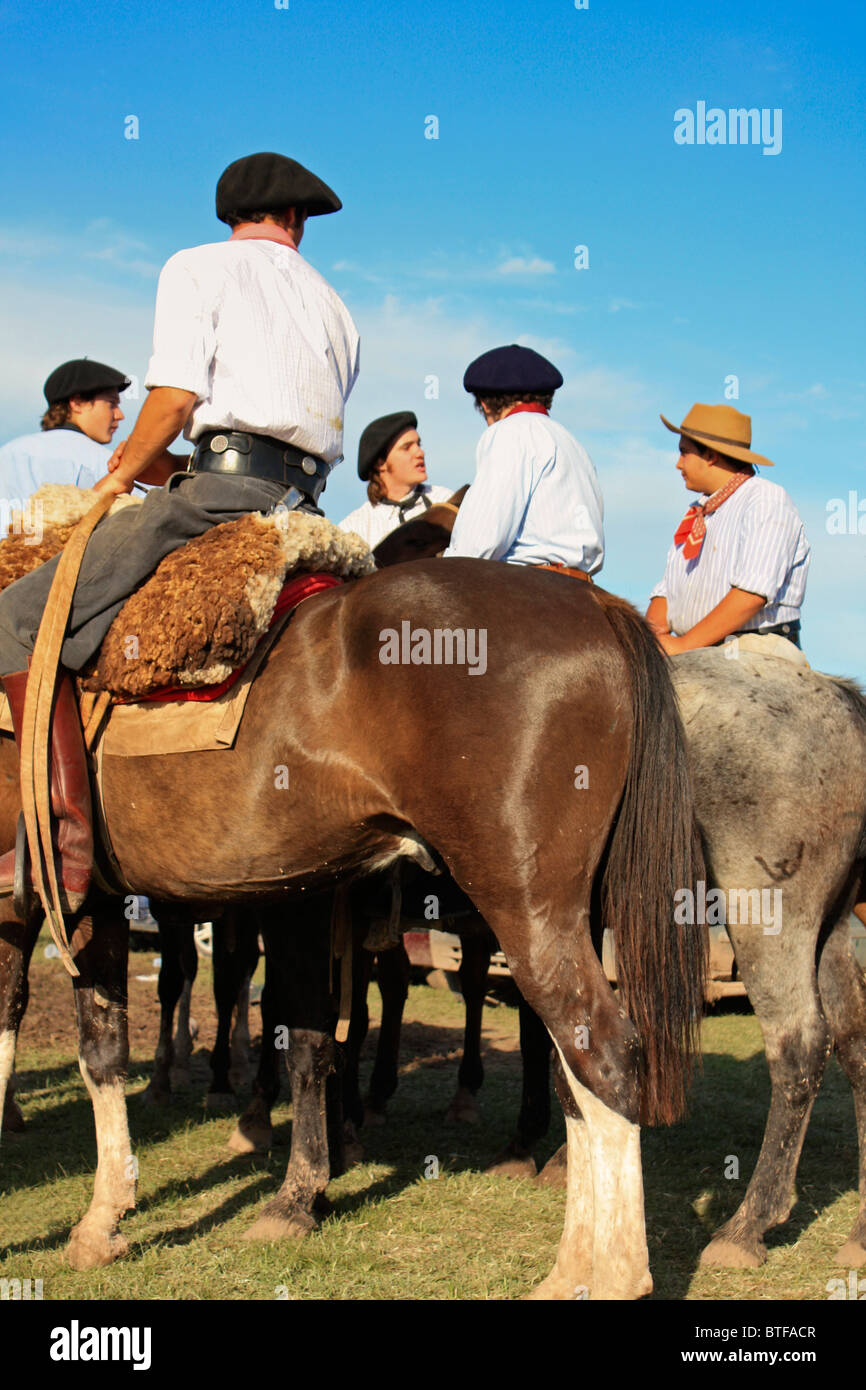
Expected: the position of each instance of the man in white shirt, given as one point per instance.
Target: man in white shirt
(740, 558)
(254, 358)
(535, 499)
(83, 413)
(391, 462)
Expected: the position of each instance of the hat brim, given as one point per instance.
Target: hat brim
(722, 446)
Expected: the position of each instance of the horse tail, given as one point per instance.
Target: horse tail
(653, 851)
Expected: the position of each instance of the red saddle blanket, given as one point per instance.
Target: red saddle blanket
(293, 593)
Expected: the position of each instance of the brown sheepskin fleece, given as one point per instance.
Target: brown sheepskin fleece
(43, 527)
(200, 615)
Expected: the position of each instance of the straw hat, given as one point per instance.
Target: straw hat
(723, 428)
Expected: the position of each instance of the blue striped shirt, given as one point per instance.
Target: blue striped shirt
(755, 541)
(535, 499)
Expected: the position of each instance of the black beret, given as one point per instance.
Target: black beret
(269, 182)
(81, 376)
(378, 438)
(509, 370)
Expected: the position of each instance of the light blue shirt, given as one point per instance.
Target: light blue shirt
(535, 499)
(50, 456)
(755, 541)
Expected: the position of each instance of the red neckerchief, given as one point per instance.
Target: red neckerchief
(692, 529)
(532, 406)
(263, 231)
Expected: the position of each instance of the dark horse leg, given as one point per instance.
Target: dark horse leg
(516, 1159)
(253, 1132)
(177, 971)
(478, 945)
(843, 994)
(298, 951)
(359, 1023)
(235, 957)
(100, 947)
(392, 977)
(17, 940)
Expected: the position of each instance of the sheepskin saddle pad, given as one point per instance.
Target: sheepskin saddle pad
(39, 527)
(200, 615)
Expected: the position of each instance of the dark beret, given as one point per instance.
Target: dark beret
(378, 438)
(269, 182)
(509, 370)
(79, 377)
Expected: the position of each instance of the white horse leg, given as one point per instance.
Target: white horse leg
(571, 1276)
(96, 1240)
(619, 1267)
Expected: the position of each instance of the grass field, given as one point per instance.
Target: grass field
(394, 1233)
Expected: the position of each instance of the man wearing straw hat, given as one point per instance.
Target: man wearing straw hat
(740, 557)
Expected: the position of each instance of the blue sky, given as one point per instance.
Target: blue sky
(555, 130)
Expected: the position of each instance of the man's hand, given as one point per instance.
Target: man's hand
(117, 455)
(162, 417)
(728, 616)
(112, 483)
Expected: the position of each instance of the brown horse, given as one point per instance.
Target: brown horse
(334, 774)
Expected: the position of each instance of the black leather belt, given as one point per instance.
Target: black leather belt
(790, 630)
(259, 456)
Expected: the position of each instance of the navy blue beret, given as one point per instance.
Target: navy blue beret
(379, 436)
(507, 371)
(81, 376)
(270, 182)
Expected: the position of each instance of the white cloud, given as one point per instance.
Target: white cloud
(519, 265)
(617, 304)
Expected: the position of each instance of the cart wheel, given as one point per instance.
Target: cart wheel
(203, 934)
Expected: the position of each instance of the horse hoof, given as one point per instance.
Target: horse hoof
(512, 1167)
(726, 1254)
(557, 1287)
(555, 1171)
(89, 1249)
(295, 1227)
(852, 1255)
(251, 1138)
(220, 1100)
(463, 1109)
(156, 1096)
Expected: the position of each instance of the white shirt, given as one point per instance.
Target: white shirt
(535, 499)
(373, 524)
(50, 456)
(261, 338)
(755, 541)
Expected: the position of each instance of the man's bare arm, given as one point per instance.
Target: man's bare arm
(145, 456)
(735, 609)
(657, 615)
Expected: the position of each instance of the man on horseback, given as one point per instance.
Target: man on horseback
(83, 413)
(391, 462)
(254, 358)
(740, 558)
(535, 499)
